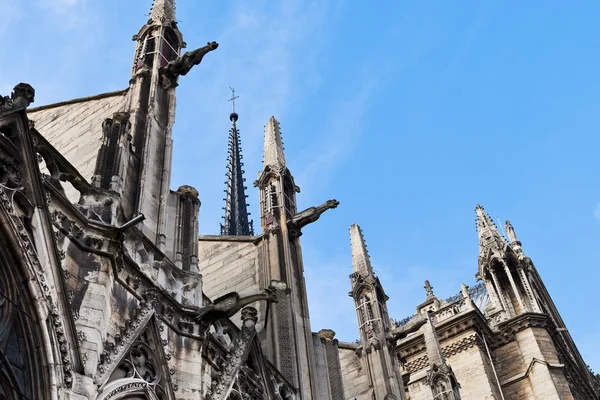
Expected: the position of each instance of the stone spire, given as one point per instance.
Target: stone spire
(360, 256)
(163, 11)
(489, 237)
(429, 290)
(515, 243)
(236, 211)
(432, 343)
(273, 156)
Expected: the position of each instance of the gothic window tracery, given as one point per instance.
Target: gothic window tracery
(141, 373)
(21, 375)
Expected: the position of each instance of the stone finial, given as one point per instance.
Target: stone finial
(326, 334)
(464, 289)
(429, 290)
(361, 262)
(23, 95)
(510, 232)
(188, 191)
(273, 151)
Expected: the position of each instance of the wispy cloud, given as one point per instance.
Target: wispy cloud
(597, 212)
(264, 48)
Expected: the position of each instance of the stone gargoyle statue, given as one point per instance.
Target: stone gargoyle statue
(229, 304)
(411, 326)
(310, 215)
(182, 65)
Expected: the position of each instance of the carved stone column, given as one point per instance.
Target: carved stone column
(514, 287)
(527, 286)
(111, 164)
(499, 288)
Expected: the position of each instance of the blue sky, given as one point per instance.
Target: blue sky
(408, 113)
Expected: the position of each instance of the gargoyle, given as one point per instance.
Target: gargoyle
(310, 215)
(411, 326)
(182, 65)
(228, 305)
(21, 97)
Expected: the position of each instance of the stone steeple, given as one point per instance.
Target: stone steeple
(142, 132)
(370, 302)
(273, 152)
(163, 11)
(361, 262)
(236, 212)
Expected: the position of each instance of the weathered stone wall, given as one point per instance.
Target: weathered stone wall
(529, 367)
(231, 264)
(471, 368)
(328, 372)
(75, 127)
(354, 376)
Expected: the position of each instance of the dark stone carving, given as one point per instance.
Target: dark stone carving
(228, 305)
(21, 97)
(182, 65)
(310, 215)
(412, 326)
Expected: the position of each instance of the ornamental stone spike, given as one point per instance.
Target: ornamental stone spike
(273, 152)
(163, 11)
(361, 261)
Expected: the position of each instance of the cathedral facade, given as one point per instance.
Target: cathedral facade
(109, 292)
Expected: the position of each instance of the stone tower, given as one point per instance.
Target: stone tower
(520, 301)
(373, 323)
(289, 338)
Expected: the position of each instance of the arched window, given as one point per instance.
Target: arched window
(170, 47)
(21, 349)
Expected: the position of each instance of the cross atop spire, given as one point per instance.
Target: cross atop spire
(273, 156)
(163, 11)
(361, 262)
(232, 100)
(236, 210)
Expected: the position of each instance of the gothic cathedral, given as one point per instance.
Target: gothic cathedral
(109, 292)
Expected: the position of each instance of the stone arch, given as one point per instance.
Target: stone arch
(23, 350)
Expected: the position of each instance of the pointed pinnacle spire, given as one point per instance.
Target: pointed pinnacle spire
(487, 232)
(510, 232)
(236, 211)
(429, 290)
(273, 156)
(163, 11)
(361, 262)
(432, 344)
